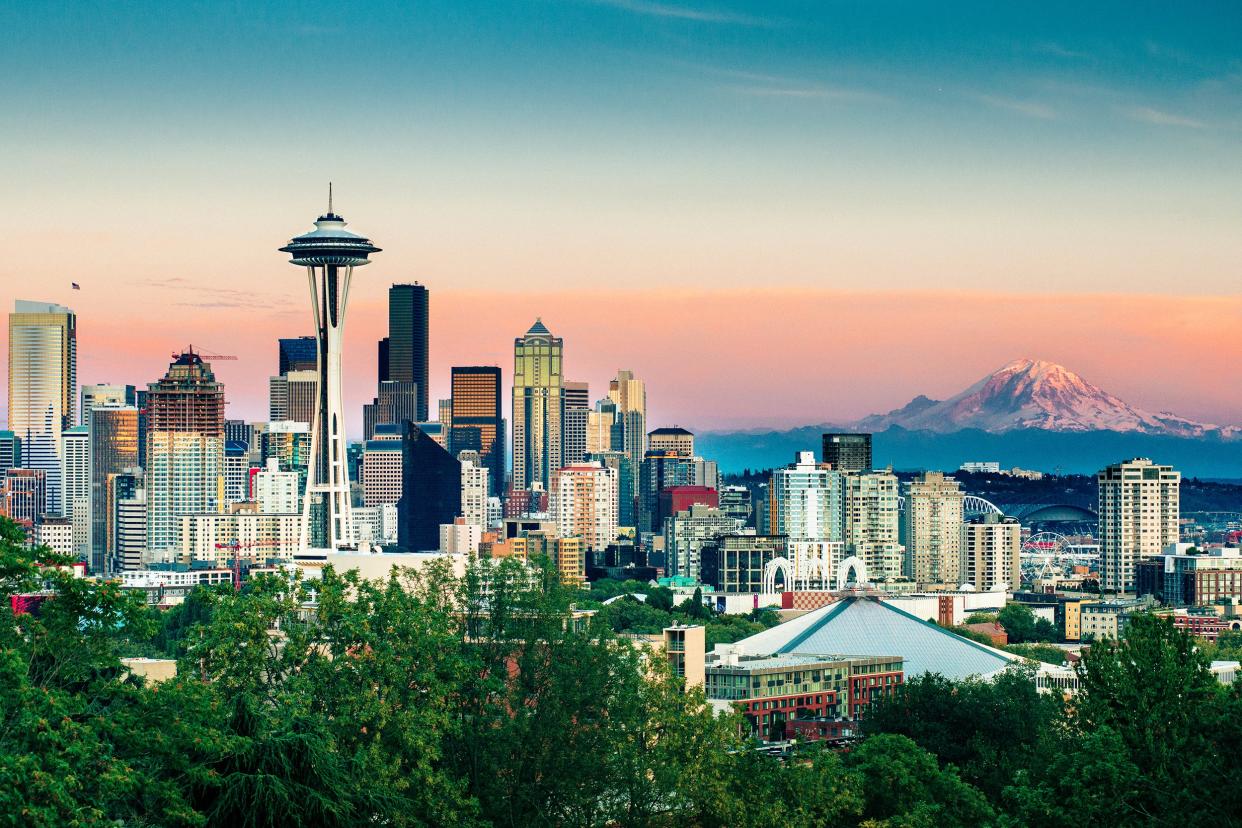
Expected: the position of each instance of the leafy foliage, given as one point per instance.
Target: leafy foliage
(430, 700)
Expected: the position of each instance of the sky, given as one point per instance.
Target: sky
(776, 213)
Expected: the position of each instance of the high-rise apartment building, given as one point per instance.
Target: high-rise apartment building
(848, 452)
(807, 500)
(114, 450)
(75, 478)
(537, 405)
(474, 491)
(991, 552)
(23, 497)
(931, 529)
(104, 394)
(476, 421)
(43, 377)
(185, 448)
(408, 342)
(584, 500)
(1139, 512)
(872, 530)
(277, 491)
(627, 481)
(687, 533)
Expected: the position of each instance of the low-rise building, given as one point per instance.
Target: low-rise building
(1183, 575)
(772, 691)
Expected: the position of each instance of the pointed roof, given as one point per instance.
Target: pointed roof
(869, 626)
(538, 328)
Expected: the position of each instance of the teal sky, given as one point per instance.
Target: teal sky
(159, 152)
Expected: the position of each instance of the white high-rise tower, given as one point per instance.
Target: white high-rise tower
(329, 253)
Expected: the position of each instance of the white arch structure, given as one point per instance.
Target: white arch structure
(807, 565)
(975, 505)
(843, 572)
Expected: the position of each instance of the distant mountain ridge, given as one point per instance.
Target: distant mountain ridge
(1030, 413)
(1029, 393)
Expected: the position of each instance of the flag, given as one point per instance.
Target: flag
(76, 286)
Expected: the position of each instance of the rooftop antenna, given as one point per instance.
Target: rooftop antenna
(329, 198)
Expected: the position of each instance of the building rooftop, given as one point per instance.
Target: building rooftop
(868, 625)
(670, 430)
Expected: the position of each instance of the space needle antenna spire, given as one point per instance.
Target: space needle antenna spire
(329, 197)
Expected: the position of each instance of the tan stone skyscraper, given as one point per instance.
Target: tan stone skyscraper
(538, 378)
(931, 529)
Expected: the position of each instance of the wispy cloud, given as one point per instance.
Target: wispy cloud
(652, 9)
(192, 294)
(1031, 109)
(798, 91)
(1057, 50)
(1157, 117)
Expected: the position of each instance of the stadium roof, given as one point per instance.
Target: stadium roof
(866, 625)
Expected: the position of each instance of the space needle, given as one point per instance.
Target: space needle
(329, 253)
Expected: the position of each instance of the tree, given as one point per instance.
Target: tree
(987, 729)
(1020, 623)
(1154, 690)
(904, 786)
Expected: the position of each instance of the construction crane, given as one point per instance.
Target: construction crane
(235, 547)
(209, 357)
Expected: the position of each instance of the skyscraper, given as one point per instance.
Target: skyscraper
(931, 529)
(293, 396)
(1139, 513)
(10, 451)
(296, 354)
(185, 448)
(430, 490)
(408, 344)
(127, 520)
(477, 423)
(43, 377)
(75, 478)
(848, 452)
(329, 253)
(675, 440)
(630, 396)
(104, 394)
(537, 386)
(114, 449)
(576, 413)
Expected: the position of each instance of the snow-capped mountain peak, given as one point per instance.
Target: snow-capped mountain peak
(1033, 393)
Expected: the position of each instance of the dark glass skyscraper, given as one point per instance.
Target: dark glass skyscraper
(476, 419)
(296, 354)
(408, 340)
(430, 490)
(848, 452)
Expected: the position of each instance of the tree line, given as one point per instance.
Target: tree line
(428, 700)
